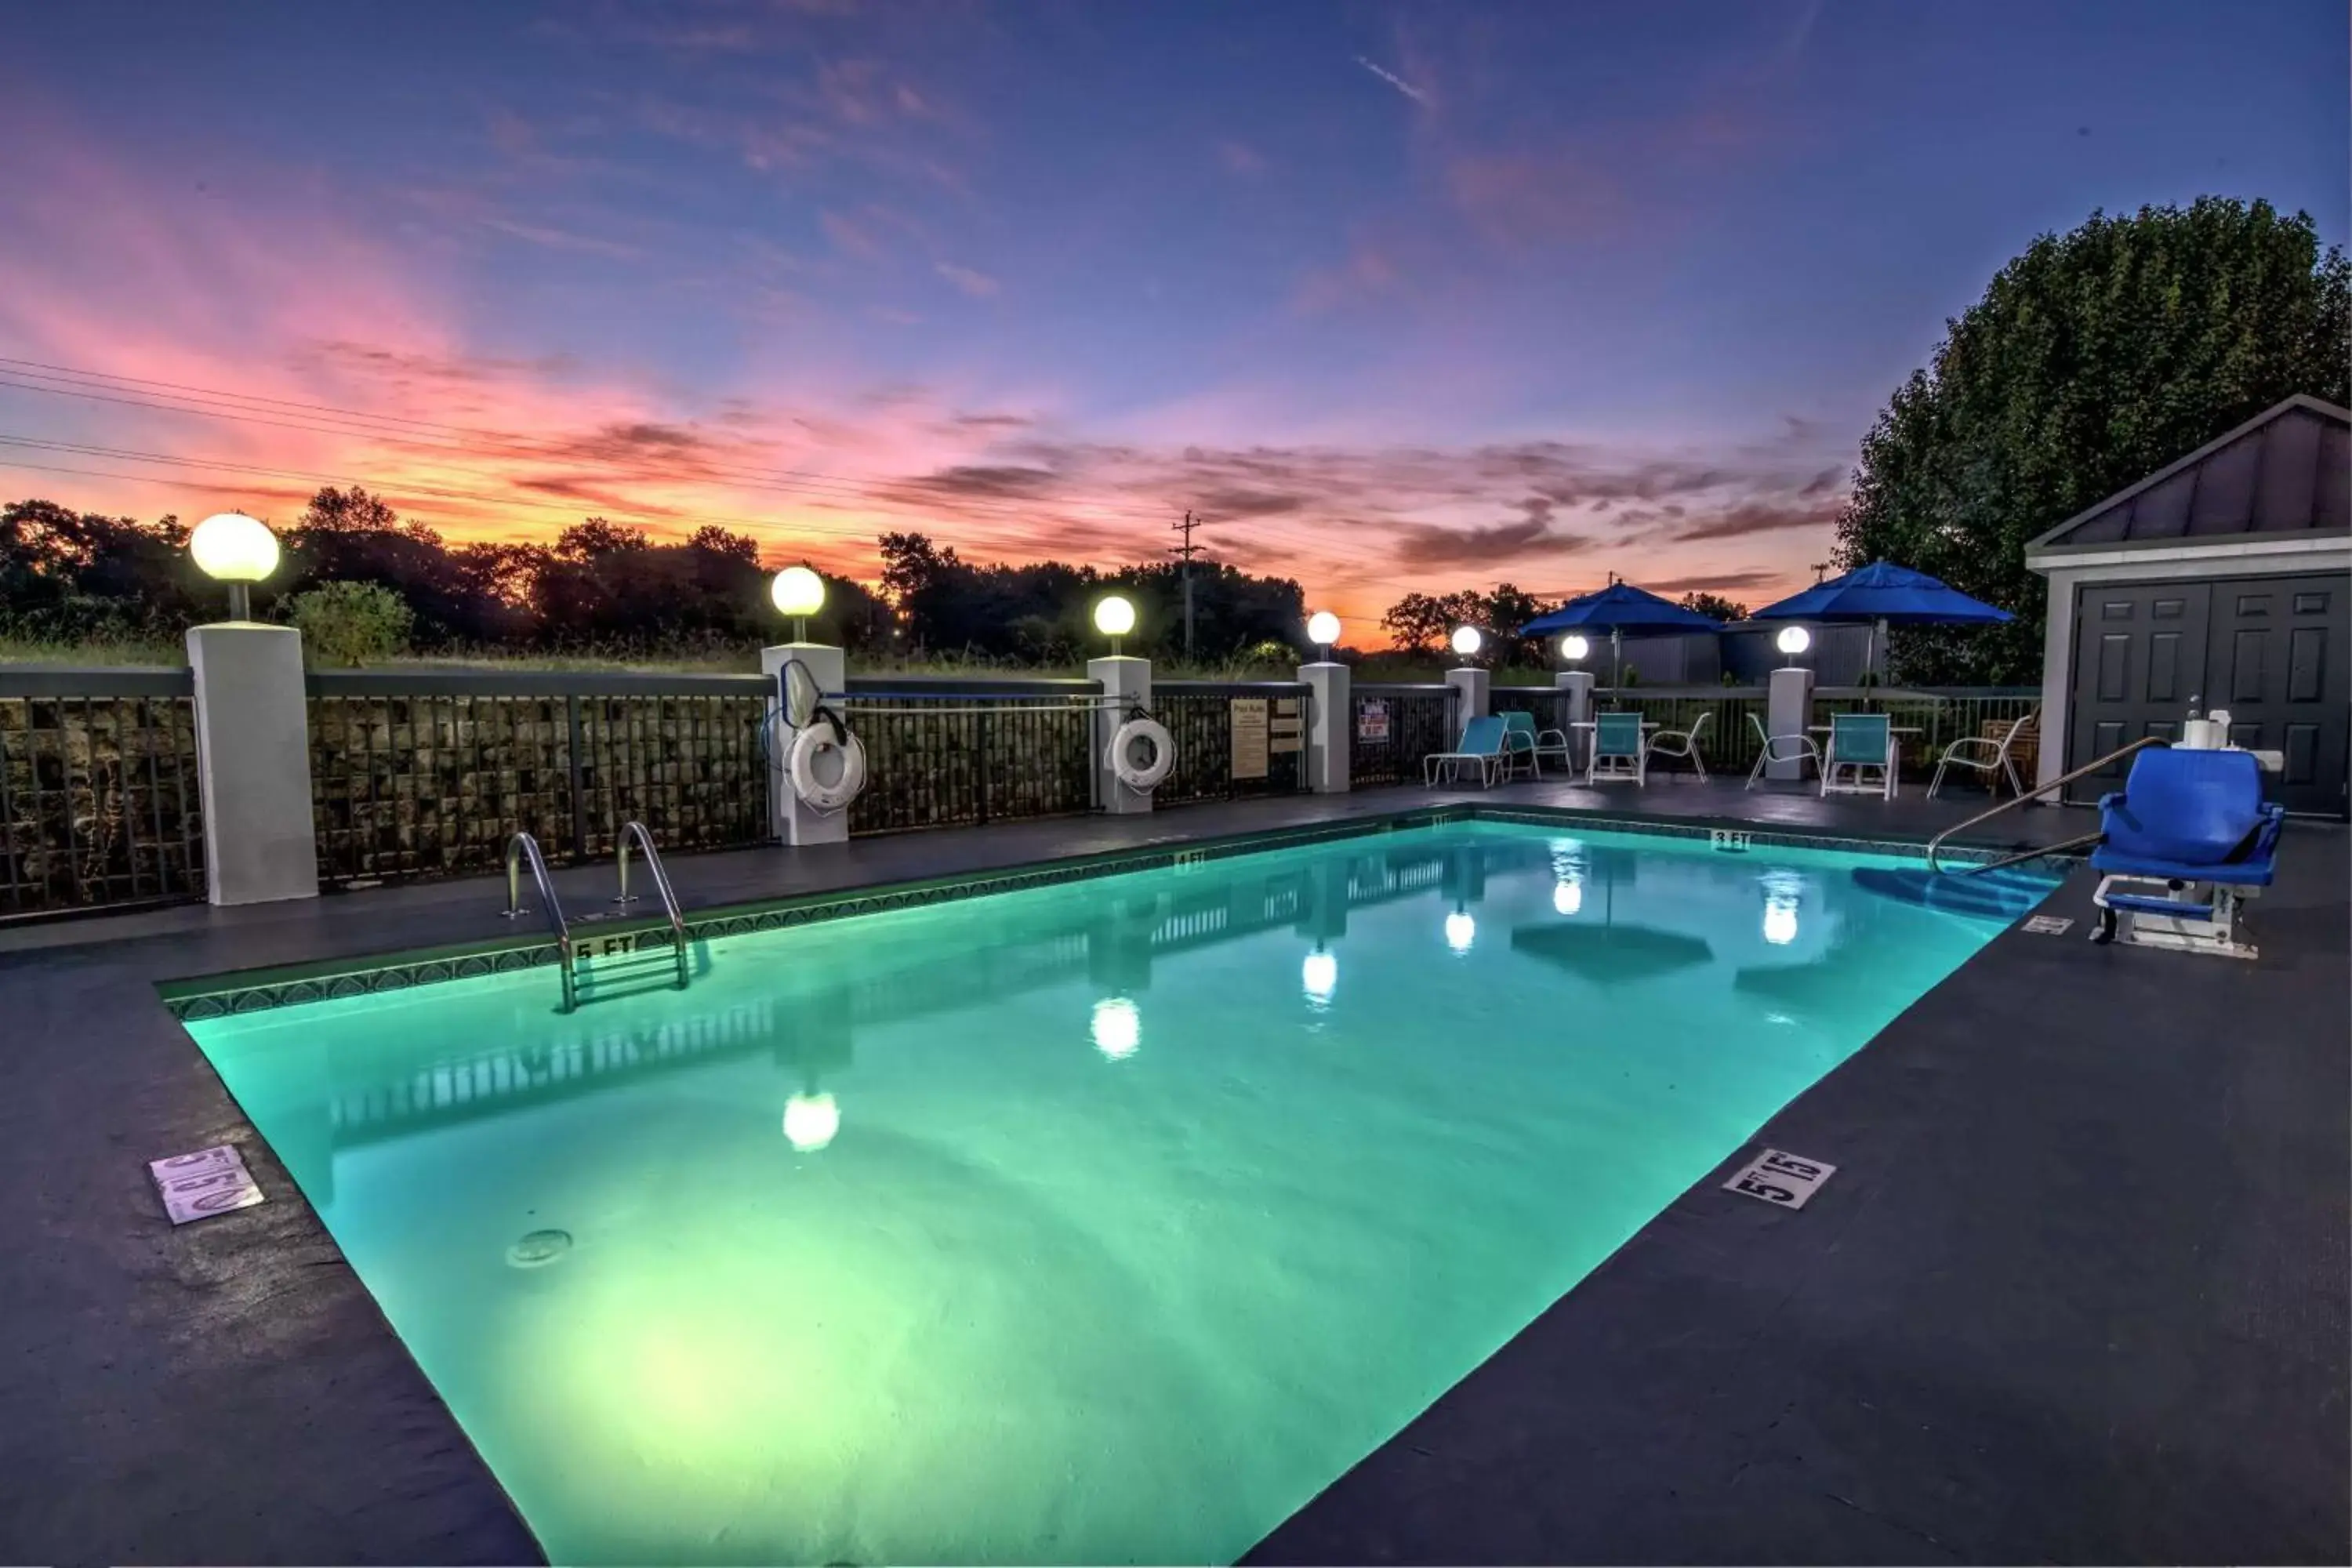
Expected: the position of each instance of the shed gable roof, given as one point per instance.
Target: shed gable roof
(2287, 470)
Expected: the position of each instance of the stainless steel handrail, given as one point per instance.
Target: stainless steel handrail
(644, 838)
(520, 847)
(2012, 805)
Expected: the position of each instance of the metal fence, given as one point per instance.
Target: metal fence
(1940, 717)
(1200, 715)
(1727, 744)
(963, 753)
(424, 773)
(1393, 727)
(99, 797)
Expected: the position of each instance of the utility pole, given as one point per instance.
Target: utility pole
(1820, 570)
(1185, 552)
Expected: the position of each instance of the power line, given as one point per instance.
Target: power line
(1185, 552)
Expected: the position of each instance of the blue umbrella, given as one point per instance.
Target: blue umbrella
(1884, 594)
(1622, 610)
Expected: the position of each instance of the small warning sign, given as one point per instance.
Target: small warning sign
(1372, 720)
(1287, 733)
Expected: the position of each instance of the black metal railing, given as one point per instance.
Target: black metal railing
(100, 800)
(1392, 727)
(1217, 724)
(1728, 742)
(425, 774)
(1939, 717)
(964, 753)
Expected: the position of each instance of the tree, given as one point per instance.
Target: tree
(1425, 623)
(350, 623)
(1715, 607)
(2093, 359)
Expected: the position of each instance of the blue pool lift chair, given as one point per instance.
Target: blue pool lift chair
(1620, 750)
(2187, 840)
(1482, 745)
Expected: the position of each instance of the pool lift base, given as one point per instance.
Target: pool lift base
(2173, 914)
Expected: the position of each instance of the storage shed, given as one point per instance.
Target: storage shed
(2223, 581)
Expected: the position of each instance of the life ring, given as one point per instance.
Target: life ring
(1150, 731)
(812, 741)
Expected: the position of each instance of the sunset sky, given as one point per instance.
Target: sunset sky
(1395, 296)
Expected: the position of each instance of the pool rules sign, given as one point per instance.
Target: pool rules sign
(1250, 737)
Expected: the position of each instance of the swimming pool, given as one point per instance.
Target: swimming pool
(1102, 1222)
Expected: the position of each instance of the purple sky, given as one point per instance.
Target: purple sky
(1399, 296)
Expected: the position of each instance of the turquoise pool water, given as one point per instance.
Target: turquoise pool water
(1107, 1222)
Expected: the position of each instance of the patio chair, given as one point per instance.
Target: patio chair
(1618, 752)
(1780, 748)
(1522, 739)
(1991, 758)
(1684, 743)
(1482, 744)
(1860, 744)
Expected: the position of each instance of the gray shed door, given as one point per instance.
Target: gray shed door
(2272, 651)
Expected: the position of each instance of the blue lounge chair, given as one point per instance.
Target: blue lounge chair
(1619, 751)
(2191, 830)
(1861, 743)
(1482, 744)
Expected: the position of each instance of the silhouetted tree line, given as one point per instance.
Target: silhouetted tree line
(1043, 613)
(72, 576)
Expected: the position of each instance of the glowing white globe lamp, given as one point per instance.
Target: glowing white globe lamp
(1574, 646)
(810, 1120)
(1467, 641)
(1461, 931)
(1114, 617)
(1319, 976)
(1323, 630)
(1792, 641)
(1118, 1029)
(237, 549)
(800, 594)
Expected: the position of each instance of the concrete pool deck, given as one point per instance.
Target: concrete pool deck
(2078, 1290)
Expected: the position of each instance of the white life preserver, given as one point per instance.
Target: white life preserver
(1120, 759)
(813, 741)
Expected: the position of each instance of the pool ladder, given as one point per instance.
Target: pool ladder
(523, 848)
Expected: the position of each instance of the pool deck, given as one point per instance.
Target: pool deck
(2078, 1290)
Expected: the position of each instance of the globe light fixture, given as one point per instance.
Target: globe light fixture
(810, 1120)
(237, 549)
(1114, 617)
(1573, 648)
(1118, 1029)
(1319, 976)
(1323, 630)
(1467, 641)
(1792, 641)
(800, 594)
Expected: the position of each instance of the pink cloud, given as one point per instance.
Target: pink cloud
(979, 284)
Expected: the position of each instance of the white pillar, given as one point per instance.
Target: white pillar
(252, 760)
(1126, 686)
(1329, 726)
(795, 823)
(1470, 686)
(1578, 684)
(1787, 711)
